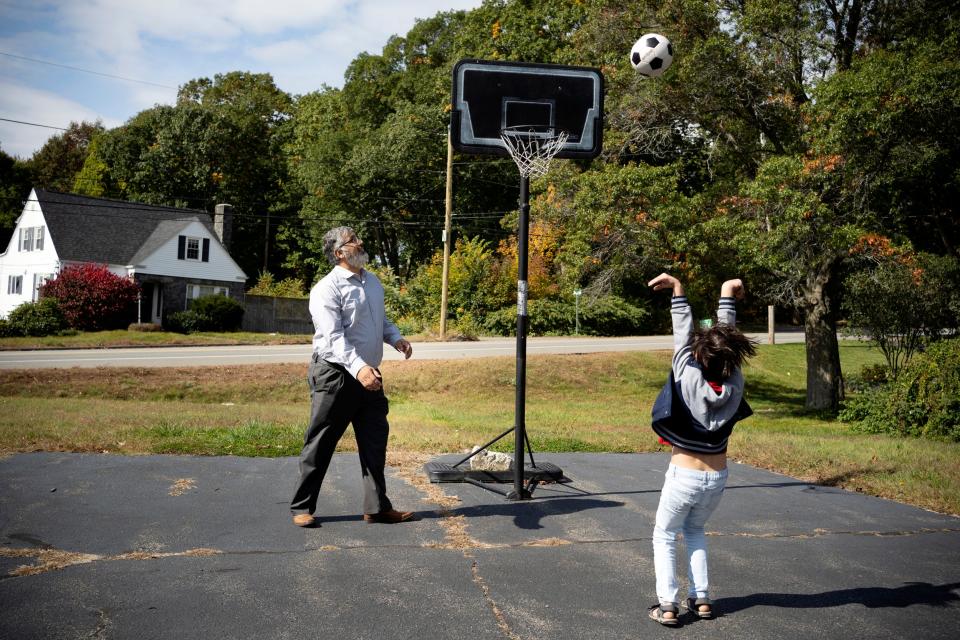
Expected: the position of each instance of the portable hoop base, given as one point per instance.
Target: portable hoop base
(532, 147)
(544, 472)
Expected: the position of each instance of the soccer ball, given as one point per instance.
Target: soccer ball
(651, 55)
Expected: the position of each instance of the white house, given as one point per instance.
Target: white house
(176, 255)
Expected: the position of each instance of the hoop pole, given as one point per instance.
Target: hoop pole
(448, 215)
(519, 492)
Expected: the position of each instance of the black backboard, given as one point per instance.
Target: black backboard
(490, 95)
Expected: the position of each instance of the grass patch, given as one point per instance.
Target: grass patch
(125, 338)
(588, 403)
(253, 439)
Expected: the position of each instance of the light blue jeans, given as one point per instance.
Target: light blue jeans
(688, 499)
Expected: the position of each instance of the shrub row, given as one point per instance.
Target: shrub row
(609, 316)
(209, 313)
(923, 400)
(41, 318)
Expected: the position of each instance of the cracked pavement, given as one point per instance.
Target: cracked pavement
(100, 546)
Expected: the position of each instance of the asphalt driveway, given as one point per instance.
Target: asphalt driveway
(98, 546)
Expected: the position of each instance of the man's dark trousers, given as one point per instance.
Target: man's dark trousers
(336, 400)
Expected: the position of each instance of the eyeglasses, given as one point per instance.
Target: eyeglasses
(353, 243)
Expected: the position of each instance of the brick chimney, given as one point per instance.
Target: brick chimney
(223, 224)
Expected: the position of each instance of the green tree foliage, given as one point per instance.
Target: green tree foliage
(56, 164)
(267, 285)
(894, 118)
(476, 286)
(785, 133)
(221, 143)
(902, 301)
(776, 199)
(14, 189)
(372, 154)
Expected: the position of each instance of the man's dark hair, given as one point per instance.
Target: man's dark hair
(333, 240)
(721, 350)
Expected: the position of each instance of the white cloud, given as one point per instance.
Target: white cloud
(42, 107)
(303, 44)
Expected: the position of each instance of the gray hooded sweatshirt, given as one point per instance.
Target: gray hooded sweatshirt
(709, 408)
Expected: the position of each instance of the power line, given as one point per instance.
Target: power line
(191, 214)
(422, 225)
(96, 73)
(34, 124)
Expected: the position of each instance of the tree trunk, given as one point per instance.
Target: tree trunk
(824, 378)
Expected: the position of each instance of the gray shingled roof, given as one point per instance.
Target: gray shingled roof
(86, 229)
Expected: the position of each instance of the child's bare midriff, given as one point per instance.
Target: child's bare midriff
(700, 461)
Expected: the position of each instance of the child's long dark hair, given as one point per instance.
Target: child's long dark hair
(721, 350)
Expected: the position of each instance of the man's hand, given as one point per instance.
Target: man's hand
(370, 378)
(404, 347)
(666, 281)
(733, 289)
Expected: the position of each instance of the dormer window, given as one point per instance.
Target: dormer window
(31, 239)
(194, 249)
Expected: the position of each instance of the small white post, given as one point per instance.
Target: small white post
(771, 336)
(576, 297)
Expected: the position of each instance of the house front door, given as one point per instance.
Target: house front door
(156, 306)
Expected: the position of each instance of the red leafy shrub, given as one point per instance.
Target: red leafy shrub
(91, 297)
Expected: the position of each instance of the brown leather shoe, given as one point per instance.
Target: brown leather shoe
(390, 517)
(304, 520)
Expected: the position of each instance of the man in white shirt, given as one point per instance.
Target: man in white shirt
(345, 382)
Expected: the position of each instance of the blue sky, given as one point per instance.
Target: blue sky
(162, 44)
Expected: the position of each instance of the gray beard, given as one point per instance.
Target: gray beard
(357, 260)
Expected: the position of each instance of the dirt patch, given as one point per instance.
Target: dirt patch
(55, 559)
(546, 542)
(409, 468)
(47, 560)
(200, 552)
(181, 486)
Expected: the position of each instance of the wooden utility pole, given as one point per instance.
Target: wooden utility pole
(266, 244)
(446, 240)
(771, 334)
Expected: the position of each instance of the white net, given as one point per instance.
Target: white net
(532, 148)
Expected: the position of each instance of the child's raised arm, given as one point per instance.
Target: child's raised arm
(665, 280)
(682, 317)
(730, 291)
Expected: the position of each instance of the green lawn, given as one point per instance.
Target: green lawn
(124, 338)
(594, 402)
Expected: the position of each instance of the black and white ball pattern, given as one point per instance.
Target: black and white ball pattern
(651, 55)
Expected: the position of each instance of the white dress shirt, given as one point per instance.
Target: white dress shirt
(350, 320)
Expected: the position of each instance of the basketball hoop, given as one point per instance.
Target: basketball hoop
(532, 147)
(535, 112)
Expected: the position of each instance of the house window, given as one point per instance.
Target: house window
(195, 291)
(193, 248)
(31, 239)
(15, 285)
(190, 249)
(26, 239)
(38, 281)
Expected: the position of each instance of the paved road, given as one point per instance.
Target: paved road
(256, 354)
(140, 547)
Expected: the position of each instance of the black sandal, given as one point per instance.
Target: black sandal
(694, 607)
(657, 611)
